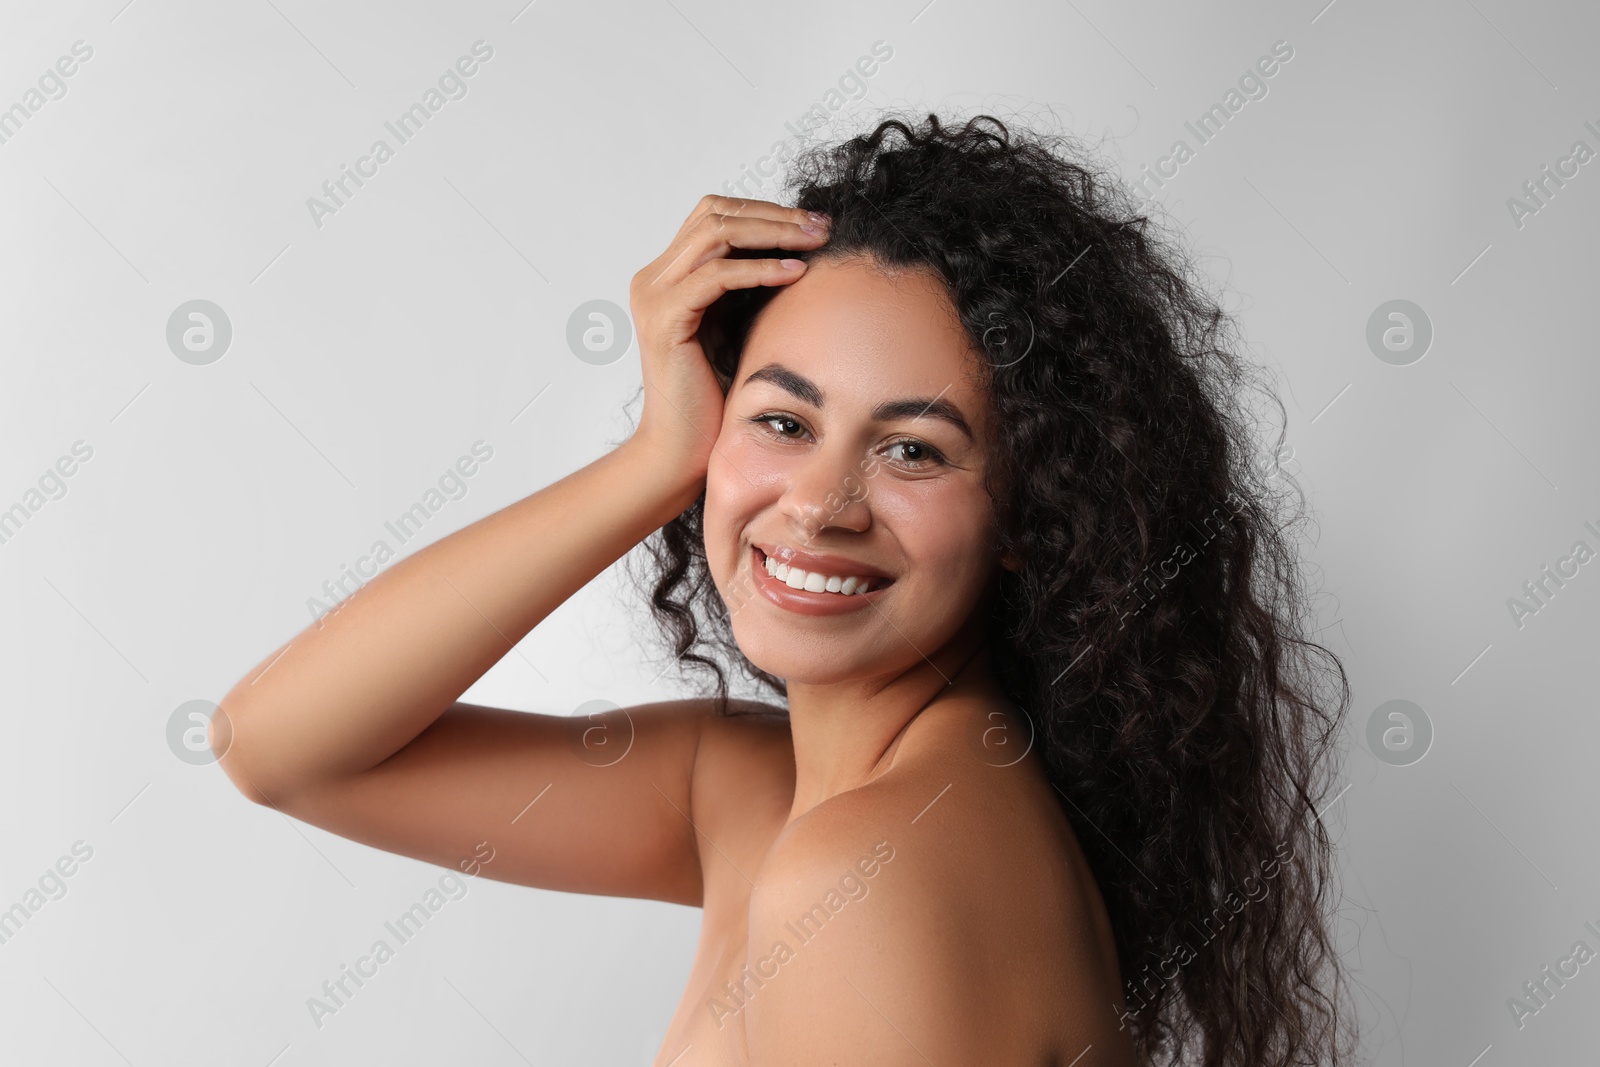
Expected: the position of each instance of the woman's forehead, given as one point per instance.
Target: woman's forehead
(865, 332)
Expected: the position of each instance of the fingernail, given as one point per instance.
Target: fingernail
(814, 229)
(791, 264)
(819, 218)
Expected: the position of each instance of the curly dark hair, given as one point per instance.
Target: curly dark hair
(1155, 634)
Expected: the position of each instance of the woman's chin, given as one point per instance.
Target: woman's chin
(814, 666)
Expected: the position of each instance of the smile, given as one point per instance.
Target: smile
(810, 592)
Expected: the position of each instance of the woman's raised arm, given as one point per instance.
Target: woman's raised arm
(355, 725)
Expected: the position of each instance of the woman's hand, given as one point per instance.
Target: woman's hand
(683, 403)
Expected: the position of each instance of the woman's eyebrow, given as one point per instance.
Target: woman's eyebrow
(911, 407)
(789, 381)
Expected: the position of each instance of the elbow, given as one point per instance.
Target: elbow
(222, 734)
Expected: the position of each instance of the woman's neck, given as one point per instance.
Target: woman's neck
(846, 734)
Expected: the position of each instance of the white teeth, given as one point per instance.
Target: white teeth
(795, 578)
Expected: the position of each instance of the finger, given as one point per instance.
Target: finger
(742, 207)
(716, 235)
(702, 288)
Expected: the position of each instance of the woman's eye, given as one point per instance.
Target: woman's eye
(918, 454)
(783, 423)
(915, 454)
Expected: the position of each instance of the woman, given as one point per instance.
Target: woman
(950, 457)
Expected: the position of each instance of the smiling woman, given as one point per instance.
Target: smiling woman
(920, 536)
(1050, 408)
(908, 448)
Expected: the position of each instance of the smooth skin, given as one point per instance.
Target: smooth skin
(883, 880)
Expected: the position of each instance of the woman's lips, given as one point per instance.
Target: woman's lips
(822, 563)
(804, 601)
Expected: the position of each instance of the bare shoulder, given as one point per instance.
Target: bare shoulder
(743, 785)
(749, 746)
(929, 915)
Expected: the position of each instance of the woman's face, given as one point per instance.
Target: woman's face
(853, 442)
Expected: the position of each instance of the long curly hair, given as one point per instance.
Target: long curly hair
(1155, 634)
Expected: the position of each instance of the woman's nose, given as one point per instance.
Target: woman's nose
(826, 491)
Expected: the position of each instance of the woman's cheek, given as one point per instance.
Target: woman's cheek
(940, 511)
(944, 527)
(736, 480)
(717, 517)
